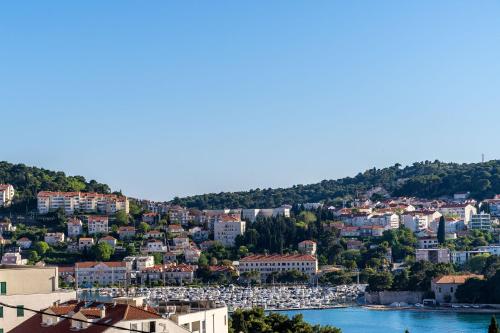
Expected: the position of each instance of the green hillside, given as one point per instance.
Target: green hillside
(422, 179)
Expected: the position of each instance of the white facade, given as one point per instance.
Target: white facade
(54, 238)
(251, 215)
(464, 211)
(102, 273)
(204, 321)
(267, 264)
(480, 221)
(226, 231)
(6, 194)
(97, 224)
(75, 227)
(81, 201)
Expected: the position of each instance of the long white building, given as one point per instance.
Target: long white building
(267, 264)
(251, 215)
(6, 194)
(81, 202)
(102, 273)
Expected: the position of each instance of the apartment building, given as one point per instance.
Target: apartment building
(97, 224)
(138, 263)
(6, 195)
(433, 255)
(84, 202)
(102, 273)
(180, 215)
(85, 243)
(227, 228)
(267, 264)
(200, 316)
(31, 287)
(462, 210)
(86, 317)
(126, 232)
(481, 221)
(75, 227)
(417, 221)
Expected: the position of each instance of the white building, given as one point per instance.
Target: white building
(110, 240)
(267, 264)
(81, 201)
(75, 227)
(97, 224)
(85, 243)
(251, 215)
(417, 221)
(13, 258)
(434, 255)
(28, 287)
(481, 221)
(6, 195)
(308, 247)
(461, 257)
(227, 229)
(54, 238)
(196, 318)
(102, 273)
(139, 263)
(463, 211)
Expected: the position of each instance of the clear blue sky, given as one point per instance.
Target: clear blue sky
(165, 98)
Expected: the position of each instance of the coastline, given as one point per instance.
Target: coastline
(429, 309)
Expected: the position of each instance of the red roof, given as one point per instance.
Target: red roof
(90, 264)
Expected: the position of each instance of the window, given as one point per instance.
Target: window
(1, 311)
(3, 288)
(152, 326)
(20, 310)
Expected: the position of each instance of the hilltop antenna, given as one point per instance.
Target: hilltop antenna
(482, 158)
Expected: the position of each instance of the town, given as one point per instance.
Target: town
(142, 253)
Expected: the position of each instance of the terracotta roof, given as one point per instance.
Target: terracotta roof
(62, 309)
(24, 239)
(4, 186)
(307, 242)
(278, 257)
(456, 279)
(97, 218)
(90, 264)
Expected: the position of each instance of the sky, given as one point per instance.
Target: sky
(174, 98)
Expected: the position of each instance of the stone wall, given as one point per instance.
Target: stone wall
(389, 297)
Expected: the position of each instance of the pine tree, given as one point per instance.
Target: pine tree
(406, 331)
(493, 328)
(441, 231)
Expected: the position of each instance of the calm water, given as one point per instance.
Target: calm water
(360, 320)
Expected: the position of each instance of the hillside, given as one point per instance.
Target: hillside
(422, 179)
(28, 181)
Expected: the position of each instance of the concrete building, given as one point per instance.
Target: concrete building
(444, 287)
(481, 221)
(6, 195)
(110, 240)
(31, 287)
(251, 215)
(227, 229)
(97, 224)
(72, 202)
(102, 273)
(139, 263)
(86, 317)
(24, 243)
(75, 227)
(428, 242)
(126, 232)
(308, 247)
(85, 243)
(267, 264)
(461, 257)
(202, 316)
(433, 255)
(13, 258)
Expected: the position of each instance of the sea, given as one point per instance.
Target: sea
(362, 320)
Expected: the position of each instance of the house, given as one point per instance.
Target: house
(175, 229)
(108, 273)
(433, 255)
(354, 244)
(428, 242)
(138, 263)
(156, 234)
(86, 202)
(6, 195)
(110, 240)
(267, 264)
(13, 258)
(169, 257)
(192, 254)
(445, 287)
(227, 228)
(6, 226)
(75, 227)
(155, 245)
(179, 273)
(126, 232)
(150, 218)
(85, 243)
(181, 242)
(462, 210)
(97, 318)
(32, 287)
(307, 247)
(97, 224)
(461, 257)
(494, 205)
(24, 243)
(198, 234)
(54, 238)
(179, 215)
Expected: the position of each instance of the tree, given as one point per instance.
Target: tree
(143, 227)
(121, 218)
(102, 251)
(380, 281)
(441, 235)
(41, 248)
(33, 256)
(493, 328)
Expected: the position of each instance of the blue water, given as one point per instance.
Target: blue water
(360, 320)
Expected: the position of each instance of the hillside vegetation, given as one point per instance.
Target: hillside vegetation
(422, 179)
(28, 181)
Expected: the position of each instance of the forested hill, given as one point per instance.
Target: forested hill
(28, 181)
(422, 179)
